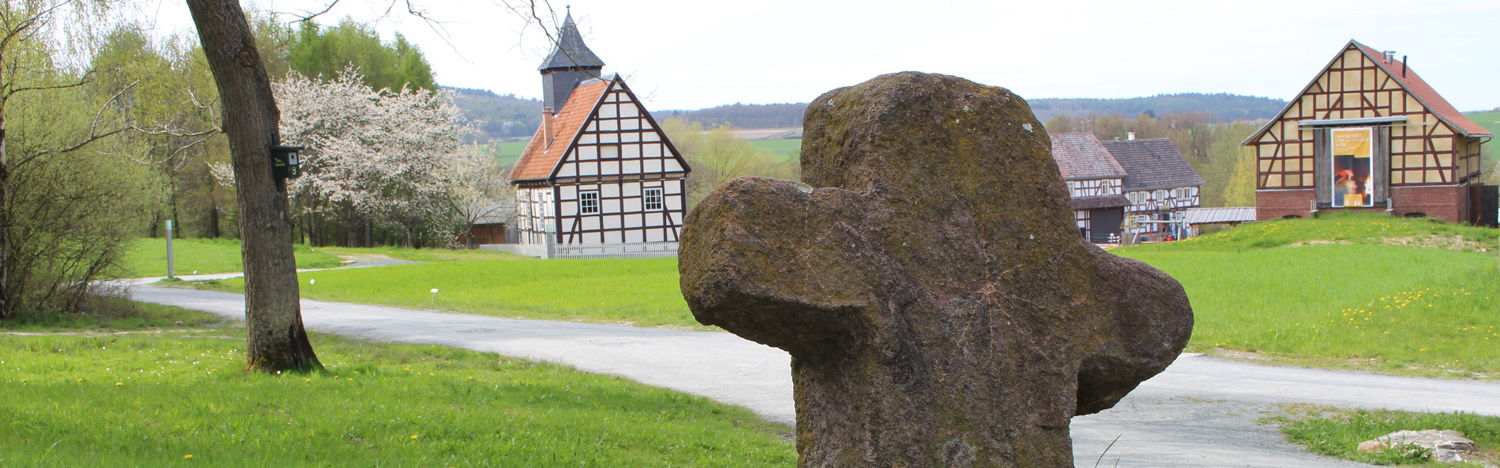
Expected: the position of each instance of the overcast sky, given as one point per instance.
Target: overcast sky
(690, 54)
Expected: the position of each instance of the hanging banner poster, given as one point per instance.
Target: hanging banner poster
(1351, 167)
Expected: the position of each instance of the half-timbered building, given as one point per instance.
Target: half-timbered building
(1095, 182)
(1159, 181)
(599, 171)
(1368, 134)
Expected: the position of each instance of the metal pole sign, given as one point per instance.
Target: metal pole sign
(169, 249)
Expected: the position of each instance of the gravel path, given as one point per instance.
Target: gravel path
(1201, 412)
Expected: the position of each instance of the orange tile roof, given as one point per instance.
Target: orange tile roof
(542, 157)
(1424, 93)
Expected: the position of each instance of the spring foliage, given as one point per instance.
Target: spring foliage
(376, 156)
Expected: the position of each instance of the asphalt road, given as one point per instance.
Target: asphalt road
(1200, 412)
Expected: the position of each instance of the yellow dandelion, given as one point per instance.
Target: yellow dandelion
(185, 457)
(117, 384)
(414, 437)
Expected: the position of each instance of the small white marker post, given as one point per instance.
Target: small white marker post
(169, 249)
(434, 296)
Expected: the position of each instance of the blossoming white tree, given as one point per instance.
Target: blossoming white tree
(372, 156)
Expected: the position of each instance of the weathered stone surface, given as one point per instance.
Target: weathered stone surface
(1446, 446)
(935, 296)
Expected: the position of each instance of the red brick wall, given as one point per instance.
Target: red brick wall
(1449, 203)
(1275, 204)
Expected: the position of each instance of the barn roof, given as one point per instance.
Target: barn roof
(542, 156)
(570, 51)
(1425, 94)
(1152, 164)
(1413, 84)
(1098, 202)
(1080, 156)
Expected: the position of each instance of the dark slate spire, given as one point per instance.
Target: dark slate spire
(571, 62)
(570, 52)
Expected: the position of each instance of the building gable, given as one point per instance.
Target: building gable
(1081, 156)
(1374, 80)
(620, 138)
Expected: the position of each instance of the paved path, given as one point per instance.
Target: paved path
(1199, 413)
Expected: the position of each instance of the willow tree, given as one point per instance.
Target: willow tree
(276, 339)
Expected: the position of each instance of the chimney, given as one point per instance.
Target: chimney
(547, 116)
(1388, 56)
(1130, 136)
(1403, 66)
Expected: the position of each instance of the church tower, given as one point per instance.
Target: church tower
(570, 63)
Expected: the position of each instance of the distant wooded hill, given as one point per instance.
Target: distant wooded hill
(743, 115)
(1223, 107)
(501, 116)
(498, 116)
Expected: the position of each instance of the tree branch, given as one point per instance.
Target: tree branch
(315, 15)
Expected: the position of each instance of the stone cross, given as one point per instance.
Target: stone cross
(929, 282)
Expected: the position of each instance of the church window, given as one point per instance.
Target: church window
(588, 202)
(653, 199)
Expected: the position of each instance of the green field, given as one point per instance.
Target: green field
(506, 153)
(148, 257)
(637, 291)
(1489, 120)
(1331, 293)
(181, 398)
(787, 149)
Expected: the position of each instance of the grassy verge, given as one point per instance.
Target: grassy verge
(180, 398)
(148, 257)
(423, 255)
(636, 291)
(111, 314)
(1344, 291)
(1336, 433)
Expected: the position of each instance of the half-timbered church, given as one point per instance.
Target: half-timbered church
(1368, 134)
(599, 171)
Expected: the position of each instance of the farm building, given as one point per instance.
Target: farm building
(1095, 183)
(599, 171)
(1368, 134)
(1159, 182)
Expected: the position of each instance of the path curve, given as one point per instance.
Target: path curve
(1200, 412)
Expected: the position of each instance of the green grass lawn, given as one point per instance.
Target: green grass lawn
(148, 257)
(1336, 432)
(639, 291)
(785, 149)
(181, 398)
(1264, 288)
(1331, 292)
(424, 255)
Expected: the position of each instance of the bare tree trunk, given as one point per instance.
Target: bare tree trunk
(7, 306)
(352, 224)
(273, 316)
